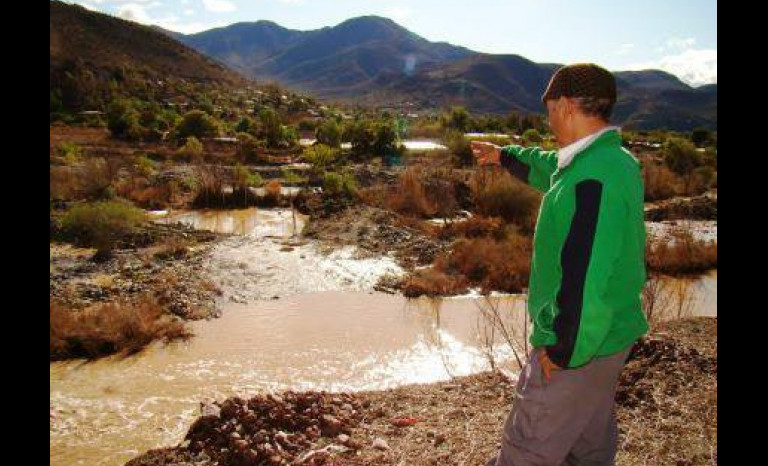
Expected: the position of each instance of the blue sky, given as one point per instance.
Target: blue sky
(676, 36)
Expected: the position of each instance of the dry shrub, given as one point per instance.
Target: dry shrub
(497, 194)
(419, 225)
(475, 227)
(174, 247)
(681, 254)
(209, 184)
(104, 225)
(660, 182)
(375, 196)
(272, 193)
(432, 282)
(410, 198)
(64, 183)
(501, 265)
(105, 329)
(149, 196)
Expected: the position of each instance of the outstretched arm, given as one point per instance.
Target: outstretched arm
(531, 165)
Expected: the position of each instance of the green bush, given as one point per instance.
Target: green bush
(71, 152)
(198, 124)
(339, 185)
(460, 147)
(680, 156)
(320, 156)
(192, 147)
(102, 224)
(531, 136)
(123, 120)
(329, 134)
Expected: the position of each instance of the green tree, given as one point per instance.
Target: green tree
(320, 156)
(531, 136)
(360, 134)
(701, 136)
(246, 125)
(192, 148)
(271, 126)
(123, 120)
(329, 134)
(680, 156)
(457, 119)
(197, 123)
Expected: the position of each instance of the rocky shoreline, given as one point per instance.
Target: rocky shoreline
(171, 274)
(667, 409)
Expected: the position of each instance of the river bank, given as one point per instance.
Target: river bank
(667, 409)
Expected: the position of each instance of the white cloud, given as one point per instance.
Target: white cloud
(677, 43)
(693, 66)
(189, 11)
(134, 12)
(219, 6)
(398, 13)
(624, 49)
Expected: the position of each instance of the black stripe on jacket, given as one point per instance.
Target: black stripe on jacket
(574, 259)
(515, 167)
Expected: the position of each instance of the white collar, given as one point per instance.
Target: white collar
(567, 153)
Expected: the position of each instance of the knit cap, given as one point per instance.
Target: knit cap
(581, 80)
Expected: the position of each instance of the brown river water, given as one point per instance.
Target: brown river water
(108, 411)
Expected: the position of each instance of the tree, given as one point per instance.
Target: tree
(386, 140)
(271, 126)
(329, 134)
(248, 147)
(701, 136)
(531, 136)
(123, 120)
(361, 137)
(320, 156)
(198, 124)
(458, 119)
(192, 148)
(680, 156)
(513, 121)
(246, 125)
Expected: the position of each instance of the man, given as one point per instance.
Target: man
(587, 274)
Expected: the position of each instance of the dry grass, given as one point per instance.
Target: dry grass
(498, 194)
(490, 264)
(430, 282)
(174, 247)
(493, 265)
(409, 197)
(475, 227)
(660, 182)
(272, 193)
(681, 254)
(105, 329)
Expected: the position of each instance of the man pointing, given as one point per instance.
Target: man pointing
(587, 274)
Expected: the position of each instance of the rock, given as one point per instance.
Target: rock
(209, 409)
(439, 439)
(380, 444)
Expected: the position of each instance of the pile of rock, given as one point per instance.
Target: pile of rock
(274, 430)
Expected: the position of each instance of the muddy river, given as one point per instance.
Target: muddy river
(319, 337)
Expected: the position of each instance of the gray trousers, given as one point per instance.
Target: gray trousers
(569, 420)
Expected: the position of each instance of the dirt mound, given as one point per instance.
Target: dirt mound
(267, 429)
(692, 208)
(656, 362)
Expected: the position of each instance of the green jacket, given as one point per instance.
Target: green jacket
(588, 265)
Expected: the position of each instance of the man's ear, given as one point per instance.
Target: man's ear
(569, 106)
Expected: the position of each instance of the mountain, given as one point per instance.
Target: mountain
(327, 60)
(372, 60)
(91, 52)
